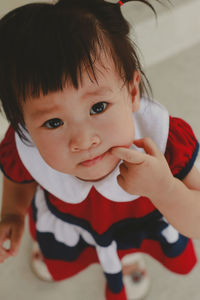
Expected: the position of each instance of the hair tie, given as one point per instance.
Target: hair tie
(120, 2)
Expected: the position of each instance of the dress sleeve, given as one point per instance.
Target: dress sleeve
(10, 162)
(182, 148)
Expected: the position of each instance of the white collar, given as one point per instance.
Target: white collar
(151, 120)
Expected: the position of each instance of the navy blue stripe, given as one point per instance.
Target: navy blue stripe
(182, 174)
(25, 181)
(130, 240)
(114, 282)
(52, 249)
(34, 210)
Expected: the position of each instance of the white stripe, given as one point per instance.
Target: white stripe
(109, 259)
(170, 233)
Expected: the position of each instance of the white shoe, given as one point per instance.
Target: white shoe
(38, 266)
(135, 277)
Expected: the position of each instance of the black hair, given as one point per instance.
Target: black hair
(44, 45)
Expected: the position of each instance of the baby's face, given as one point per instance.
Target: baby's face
(74, 130)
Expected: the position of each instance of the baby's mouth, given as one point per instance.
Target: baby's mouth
(93, 161)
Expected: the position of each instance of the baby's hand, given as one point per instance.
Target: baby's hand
(11, 229)
(145, 174)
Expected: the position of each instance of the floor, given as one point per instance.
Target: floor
(176, 85)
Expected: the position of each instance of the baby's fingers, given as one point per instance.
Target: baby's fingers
(10, 235)
(4, 251)
(4, 233)
(15, 240)
(149, 146)
(129, 155)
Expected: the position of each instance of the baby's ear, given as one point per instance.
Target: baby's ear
(135, 91)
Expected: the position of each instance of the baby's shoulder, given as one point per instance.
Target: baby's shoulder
(182, 147)
(10, 162)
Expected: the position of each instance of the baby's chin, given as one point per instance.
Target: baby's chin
(99, 175)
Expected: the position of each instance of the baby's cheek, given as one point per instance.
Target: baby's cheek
(123, 138)
(51, 153)
(117, 130)
(126, 133)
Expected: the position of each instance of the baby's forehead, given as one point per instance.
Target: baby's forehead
(104, 82)
(103, 73)
(101, 70)
(102, 67)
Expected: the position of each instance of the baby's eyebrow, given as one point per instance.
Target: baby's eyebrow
(41, 112)
(98, 92)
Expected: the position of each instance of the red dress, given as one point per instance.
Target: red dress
(74, 235)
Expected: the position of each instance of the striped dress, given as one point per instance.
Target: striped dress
(78, 223)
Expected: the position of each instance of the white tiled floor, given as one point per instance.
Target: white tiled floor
(176, 85)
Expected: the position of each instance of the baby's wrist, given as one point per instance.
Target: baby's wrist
(165, 191)
(12, 216)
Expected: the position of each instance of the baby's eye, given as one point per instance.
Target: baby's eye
(53, 123)
(98, 108)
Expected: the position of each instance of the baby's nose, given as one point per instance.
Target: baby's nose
(84, 142)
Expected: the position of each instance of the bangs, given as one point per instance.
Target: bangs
(51, 49)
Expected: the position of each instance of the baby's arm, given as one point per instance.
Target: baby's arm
(148, 174)
(185, 200)
(15, 202)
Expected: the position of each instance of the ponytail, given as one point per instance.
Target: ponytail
(122, 2)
